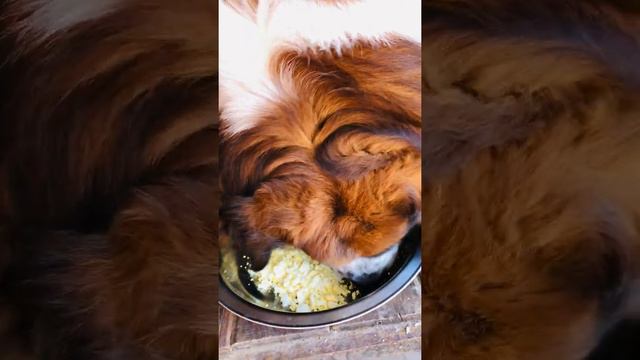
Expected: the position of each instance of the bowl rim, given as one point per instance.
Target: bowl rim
(314, 320)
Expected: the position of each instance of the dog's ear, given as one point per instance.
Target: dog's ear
(354, 150)
(239, 221)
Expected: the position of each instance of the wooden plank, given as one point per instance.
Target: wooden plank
(391, 332)
(227, 326)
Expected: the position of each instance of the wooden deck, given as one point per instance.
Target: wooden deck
(391, 332)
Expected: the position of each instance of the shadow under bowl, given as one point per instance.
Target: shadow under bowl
(235, 297)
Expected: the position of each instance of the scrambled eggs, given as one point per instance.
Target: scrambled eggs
(302, 284)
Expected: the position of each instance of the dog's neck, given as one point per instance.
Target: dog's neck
(270, 27)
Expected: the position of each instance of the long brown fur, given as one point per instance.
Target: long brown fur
(532, 209)
(336, 169)
(108, 181)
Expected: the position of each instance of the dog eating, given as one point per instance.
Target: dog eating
(321, 129)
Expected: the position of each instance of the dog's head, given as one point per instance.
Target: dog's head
(322, 150)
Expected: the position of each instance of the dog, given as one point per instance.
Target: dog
(531, 144)
(321, 129)
(108, 179)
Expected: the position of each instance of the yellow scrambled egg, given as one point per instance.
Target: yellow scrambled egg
(302, 284)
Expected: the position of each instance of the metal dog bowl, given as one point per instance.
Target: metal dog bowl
(239, 300)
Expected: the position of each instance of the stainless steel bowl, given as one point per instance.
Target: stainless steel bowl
(238, 299)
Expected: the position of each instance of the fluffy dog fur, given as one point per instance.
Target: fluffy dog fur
(321, 131)
(108, 161)
(532, 144)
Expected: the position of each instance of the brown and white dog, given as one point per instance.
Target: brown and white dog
(321, 128)
(108, 179)
(532, 152)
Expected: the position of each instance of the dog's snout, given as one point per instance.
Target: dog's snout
(365, 270)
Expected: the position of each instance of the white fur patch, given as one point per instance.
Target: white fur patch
(50, 16)
(361, 267)
(245, 46)
(313, 24)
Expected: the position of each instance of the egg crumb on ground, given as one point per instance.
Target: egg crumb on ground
(301, 283)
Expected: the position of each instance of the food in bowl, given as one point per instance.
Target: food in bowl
(302, 284)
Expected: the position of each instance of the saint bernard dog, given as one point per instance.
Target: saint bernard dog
(321, 129)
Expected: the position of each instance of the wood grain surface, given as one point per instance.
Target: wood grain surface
(391, 332)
